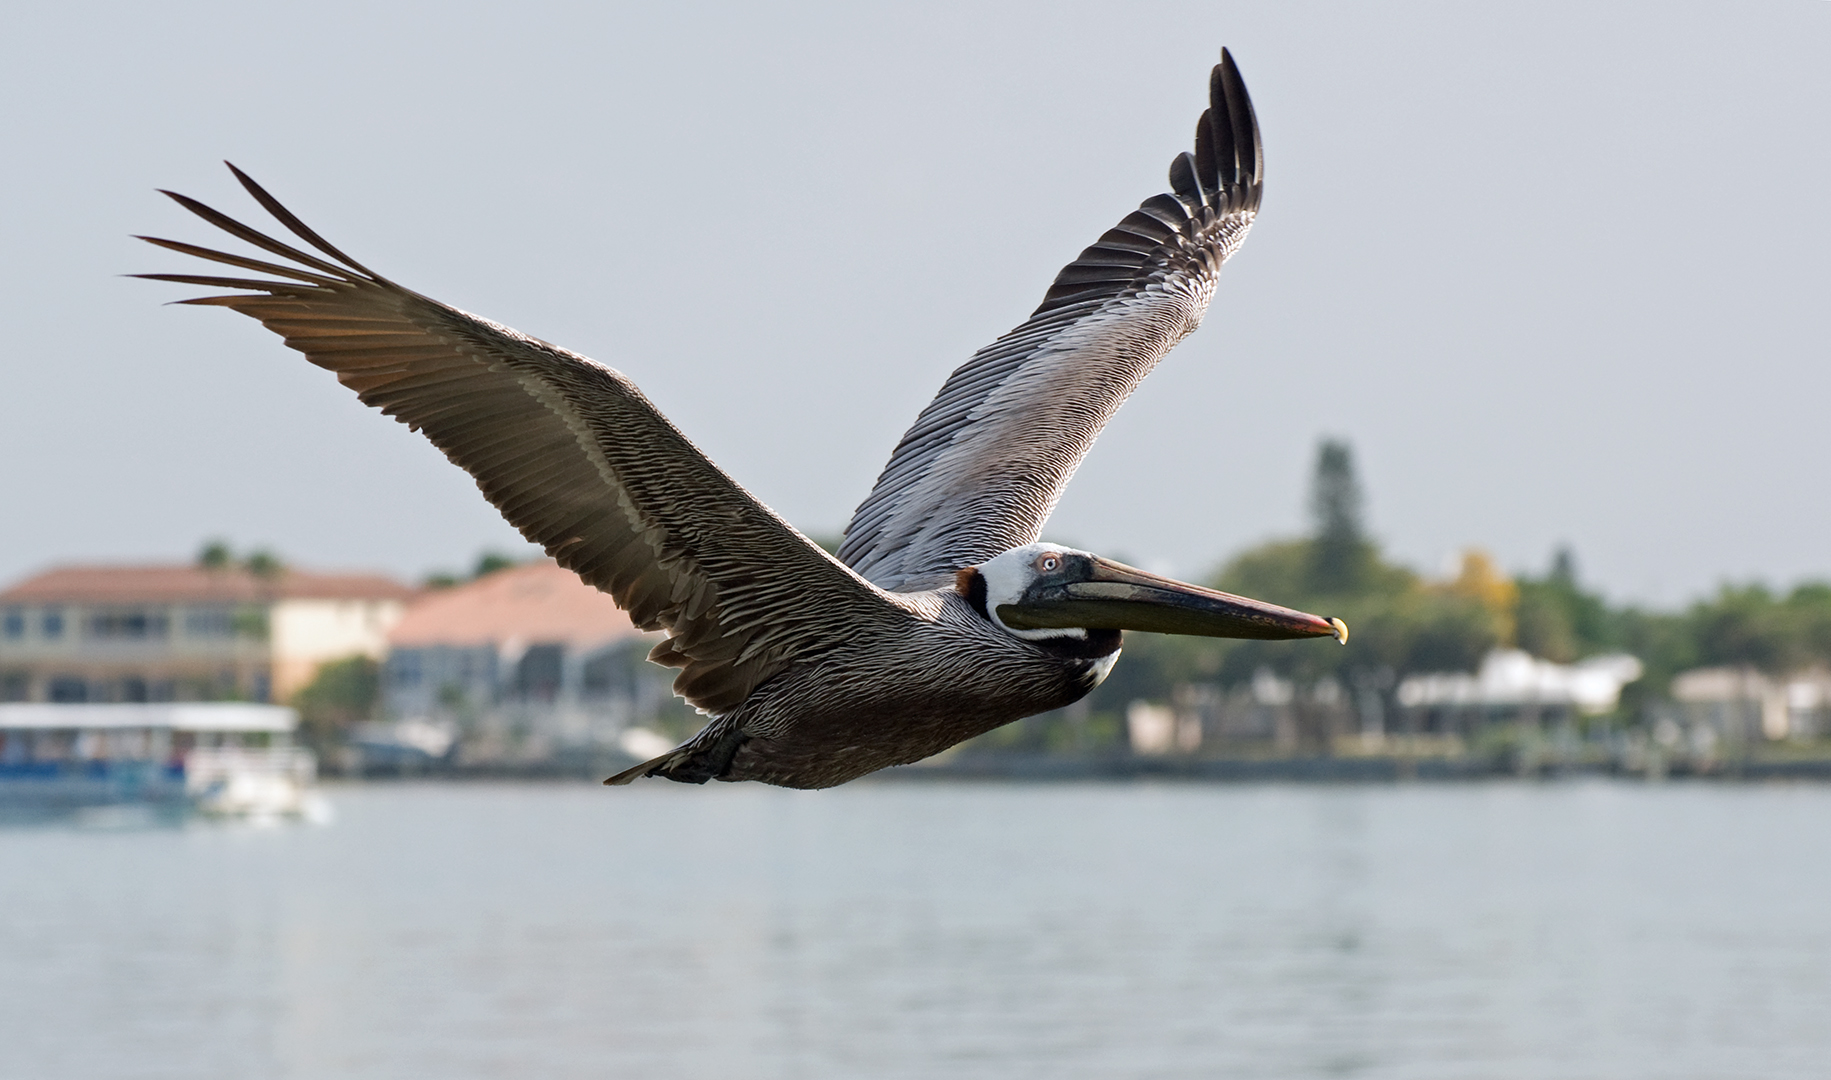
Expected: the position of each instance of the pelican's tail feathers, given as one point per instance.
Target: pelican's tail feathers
(651, 767)
(707, 756)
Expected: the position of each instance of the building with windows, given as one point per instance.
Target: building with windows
(1442, 710)
(112, 634)
(520, 665)
(1742, 705)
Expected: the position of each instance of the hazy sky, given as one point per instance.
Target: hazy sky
(1561, 273)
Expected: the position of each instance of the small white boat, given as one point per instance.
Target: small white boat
(222, 758)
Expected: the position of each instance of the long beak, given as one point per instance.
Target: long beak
(1120, 597)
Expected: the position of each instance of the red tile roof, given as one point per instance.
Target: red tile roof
(540, 603)
(193, 585)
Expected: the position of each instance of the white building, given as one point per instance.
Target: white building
(1515, 680)
(1739, 704)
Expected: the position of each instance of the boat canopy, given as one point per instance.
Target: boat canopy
(188, 716)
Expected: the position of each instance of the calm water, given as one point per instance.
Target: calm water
(889, 930)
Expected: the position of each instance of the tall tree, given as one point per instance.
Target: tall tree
(1340, 554)
(1563, 568)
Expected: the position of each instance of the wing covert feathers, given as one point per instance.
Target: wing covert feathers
(986, 461)
(571, 453)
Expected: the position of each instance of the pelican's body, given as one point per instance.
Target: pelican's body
(943, 676)
(941, 617)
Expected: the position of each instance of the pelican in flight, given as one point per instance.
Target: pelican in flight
(941, 616)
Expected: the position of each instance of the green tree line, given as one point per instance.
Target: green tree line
(1403, 623)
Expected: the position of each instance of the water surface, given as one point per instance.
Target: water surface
(917, 930)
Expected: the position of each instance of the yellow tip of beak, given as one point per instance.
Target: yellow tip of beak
(1341, 630)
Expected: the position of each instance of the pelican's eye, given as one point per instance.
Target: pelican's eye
(1048, 564)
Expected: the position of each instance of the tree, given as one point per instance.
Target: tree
(1400, 622)
(488, 562)
(1480, 580)
(1340, 553)
(264, 564)
(1559, 620)
(215, 555)
(343, 693)
(1749, 626)
(491, 561)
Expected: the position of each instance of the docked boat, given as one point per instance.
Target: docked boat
(220, 758)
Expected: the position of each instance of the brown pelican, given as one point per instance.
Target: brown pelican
(941, 617)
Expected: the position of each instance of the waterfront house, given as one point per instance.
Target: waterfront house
(1513, 685)
(161, 633)
(515, 667)
(1271, 714)
(1742, 705)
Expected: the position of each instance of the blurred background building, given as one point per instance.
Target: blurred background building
(101, 634)
(523, 665)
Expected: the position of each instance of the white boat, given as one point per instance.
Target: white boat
(221, 758)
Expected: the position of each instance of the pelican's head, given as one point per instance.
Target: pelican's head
(1043, 591)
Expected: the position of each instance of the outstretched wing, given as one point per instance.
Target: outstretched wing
(986, 461)
(571, 453)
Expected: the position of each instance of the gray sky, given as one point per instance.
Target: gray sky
(1559, 272)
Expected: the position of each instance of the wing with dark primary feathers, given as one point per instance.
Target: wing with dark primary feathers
(984, 464)
(571, 453)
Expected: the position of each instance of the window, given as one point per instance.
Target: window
(607, 671)
(209, 622)
(540, 674)
(51, 623)
(12, 623)
(129, 623)
(404, 667)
